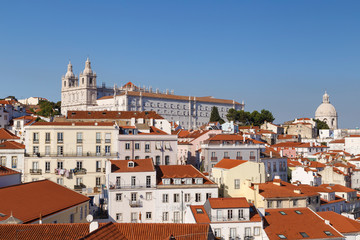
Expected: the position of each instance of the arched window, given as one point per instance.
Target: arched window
(167, 160)
(157, 160)
(64, 83)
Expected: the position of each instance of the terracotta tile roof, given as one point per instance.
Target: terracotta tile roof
(287, 136)
(141, 165)
(337, 199)
(229, 163)
(281, 189)
(113, 115)
(176, 97)
(354, 136)
(180, 171)
(292, 224)
(154, 131)
(315, 164)
(11, 145)
(6, 134)
(291, 163)
(233, 137)
(271, 151)
(249, 127)
(217, 203)
(30, 118)
(200, 215)
(69, 231)
(4, 171)
(73, 124)
(107, 231)
(341, 223)
(338, 141)
(337, 188)
(192, 134)
(41, 197)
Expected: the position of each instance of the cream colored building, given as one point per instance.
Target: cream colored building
(230, 173)
(70, 154)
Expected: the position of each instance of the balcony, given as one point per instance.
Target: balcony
(79, 141)
(35, 171)
(226, 219)
(123, 186)
(239, 158)
(252, 157)
(88, 154)
(135, 204)
(213, 158)
(79, 187)
(79, 171)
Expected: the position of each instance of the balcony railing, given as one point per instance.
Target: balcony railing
(79, 141)
(87, 154)
(79, 171)
(123, 186)
(252, 157)
(35, 171)
(137, 203)
(226, 219)
(213, 158)
(239, 158)
(79, 187)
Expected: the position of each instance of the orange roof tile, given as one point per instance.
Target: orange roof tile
(11, 145)
(42, 198)
(217, 203)
(140, 165)
(107, 231)
(273, 190)
(200, 214)
(337, 188)
(292, 224)
(114, 115)
(6, 134)
(338, 141)
(341, 223)
(180, 171)
(287, 136)
(229, 163)
(73, 124)
(4, 171)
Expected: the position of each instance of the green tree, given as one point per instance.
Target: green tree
(244, 118)
(321, 124)
(47, 109)
(215, 116)
(247, 118)
(267, 116)
(232, 115)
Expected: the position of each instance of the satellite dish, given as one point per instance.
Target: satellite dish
(89, 218)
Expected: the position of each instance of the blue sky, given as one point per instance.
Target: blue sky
(277, 55)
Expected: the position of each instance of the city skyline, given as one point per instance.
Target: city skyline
(277, 56)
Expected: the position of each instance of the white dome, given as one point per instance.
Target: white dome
(69, 73)
(87, 69)
(325, 110)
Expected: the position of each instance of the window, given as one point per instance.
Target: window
(133, 181)
(158, 146)
(79, 181)
(98, 166)
(208, 195)
(167, 145)
(281, 236)
(47, 137)
(199, 210)
(35, 149)
(60, 181)
(226, 155)
(269, 204)
(119, 197)
(187, 197)
(147, 147)
(241, 213)
(98, 137)
(60, 150)
(60, 165)
(298, 212)
(295, 202)
(282, 213)
(165, 198)
(137, 146)
(35, 137)
(127, 158)
(148, 196)
(3, 161)
(256, 231)
(176, 217)
(107, 137)
(304, 235)
(148, 215)
(197, 197)
(213, 154)
(230, 214)
(167, 160)
(247, 231)
(157, 160)
(107, 150)
(79, 164)
(198, 181)
(127, 146)
(60, 137)
(217, 232)
(79, 137)
(134, 217)
(72, 218)
(176, 197)
(14, 161)
(47, 167)
(328, 233)
(35, 165)
(279, 204)
(47, 150)
(118, 182)
(81, 213)
(136, 157)
(165, 216)
(133, 197)
(237, 183)
(119, 217)
(98, 181)
(79, 150)
(148, 181)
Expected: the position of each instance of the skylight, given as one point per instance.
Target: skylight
(281, 236)
(199, 210)
(282, 212)
(328, 233)
(298, 212)
(304, 235)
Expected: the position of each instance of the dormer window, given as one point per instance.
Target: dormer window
(166, 181)
(177, 180)
(199, 181)
(131, 164)
(188, 181)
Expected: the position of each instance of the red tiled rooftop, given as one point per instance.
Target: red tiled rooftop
(229, 163)
(337, 188)
(11, 145)
(341, 223)
(114, 115)
(73, 124)
(217, 203)
(140, 165)
(30, 200)
(180, 171)
(6, 134)
(4, 171)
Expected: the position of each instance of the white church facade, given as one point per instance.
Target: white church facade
(326, 112)
(82, 93)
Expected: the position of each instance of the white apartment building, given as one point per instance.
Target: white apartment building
(229, 218)
(18, 127)
(140, 192)
(10, 109)
(352, 144)
(70, 154)
(82, 93)
(153, 143)
(12, 156)
(229, 146)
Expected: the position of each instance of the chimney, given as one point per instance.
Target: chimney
(281, 153)
(150, 89)
(167, 91)
(93, 226)
(157, 90)
(270, 154)
(298, 191)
